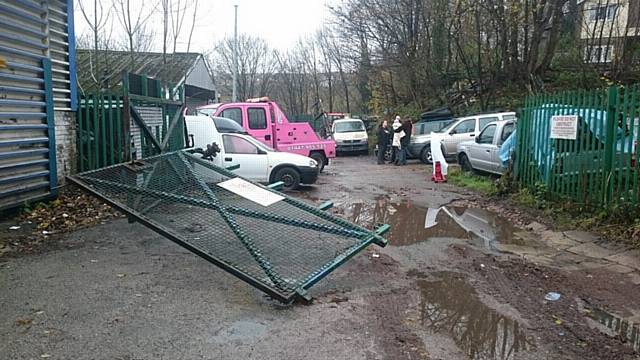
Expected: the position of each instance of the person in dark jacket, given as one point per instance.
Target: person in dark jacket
(383, 140)
(407, 127)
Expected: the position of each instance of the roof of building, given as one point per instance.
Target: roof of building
(111, 64)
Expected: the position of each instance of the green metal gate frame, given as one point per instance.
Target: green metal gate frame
(104, 122)
(141, 189)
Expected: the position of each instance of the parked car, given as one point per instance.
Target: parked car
(265, 121)
(257, 161)
(350, 136)
(462, 129)
(483, 153)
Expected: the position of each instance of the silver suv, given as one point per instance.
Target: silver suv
(462, 129)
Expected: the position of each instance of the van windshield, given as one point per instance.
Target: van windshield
(228, 126)
(349, 126)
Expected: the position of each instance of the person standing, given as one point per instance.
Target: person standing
(397, 136)
(407, 128)
(383, 140)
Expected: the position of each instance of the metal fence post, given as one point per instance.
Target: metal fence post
(609, 143)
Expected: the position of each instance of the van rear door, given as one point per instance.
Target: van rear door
(201, 132)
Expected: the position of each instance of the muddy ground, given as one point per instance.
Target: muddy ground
(457, 281)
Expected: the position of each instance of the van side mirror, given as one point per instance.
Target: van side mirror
(477, 139)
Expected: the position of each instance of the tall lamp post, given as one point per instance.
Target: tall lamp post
(235, 56)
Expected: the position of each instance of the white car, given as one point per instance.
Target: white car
(482, 154)
(257, 161)
(350, 135)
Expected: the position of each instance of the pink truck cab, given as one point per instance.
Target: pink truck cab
(264, 120)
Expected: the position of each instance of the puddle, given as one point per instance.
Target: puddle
(618, 326)
(450, 305)
(411, 224)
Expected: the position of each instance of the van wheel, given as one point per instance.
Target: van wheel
(320, 159)
(426, 156)
(290, 177)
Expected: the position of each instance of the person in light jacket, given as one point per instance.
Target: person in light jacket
(398, 134)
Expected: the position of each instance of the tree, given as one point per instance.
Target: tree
(97, 18)
(139, 37)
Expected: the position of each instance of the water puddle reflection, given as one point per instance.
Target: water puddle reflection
(450, 305)
(618, 326)
(411, 224)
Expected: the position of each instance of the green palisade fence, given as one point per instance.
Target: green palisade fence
(104, 121)
(599, 167)
(101, 136)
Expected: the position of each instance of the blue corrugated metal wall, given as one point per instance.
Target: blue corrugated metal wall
(35, 46)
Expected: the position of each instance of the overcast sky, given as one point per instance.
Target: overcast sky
(280, 22)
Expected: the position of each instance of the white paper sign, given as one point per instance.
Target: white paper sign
(564, 127)
(250, 191)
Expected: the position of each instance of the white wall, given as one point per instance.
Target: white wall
(65, 125)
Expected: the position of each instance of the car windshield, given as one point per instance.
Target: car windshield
(349, 126)
(228, 126)
(448, 126)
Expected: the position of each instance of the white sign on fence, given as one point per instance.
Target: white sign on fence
(564, 127)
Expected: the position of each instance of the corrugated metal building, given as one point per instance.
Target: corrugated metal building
(37, 98)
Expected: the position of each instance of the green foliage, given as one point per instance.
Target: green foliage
(533, 198)
(481, 184)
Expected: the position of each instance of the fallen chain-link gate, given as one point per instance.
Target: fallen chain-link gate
(282, 249)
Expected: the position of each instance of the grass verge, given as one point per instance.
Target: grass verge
(484, 185)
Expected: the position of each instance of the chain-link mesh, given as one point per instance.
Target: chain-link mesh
(284, 246)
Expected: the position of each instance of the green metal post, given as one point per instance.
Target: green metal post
(610, 126)
(82, 114)
(103, 130)
(112, 135)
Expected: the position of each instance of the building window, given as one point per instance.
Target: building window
(605, 12)
(596, 54)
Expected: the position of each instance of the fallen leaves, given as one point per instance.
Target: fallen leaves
(71, 211)
(38, 223)
(24, 322)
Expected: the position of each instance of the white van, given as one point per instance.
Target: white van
(350, 135)
(257, 161)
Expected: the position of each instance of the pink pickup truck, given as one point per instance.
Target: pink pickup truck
(264, 120)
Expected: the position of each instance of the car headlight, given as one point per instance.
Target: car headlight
(313, 163)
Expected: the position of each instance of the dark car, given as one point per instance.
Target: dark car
(433, 121)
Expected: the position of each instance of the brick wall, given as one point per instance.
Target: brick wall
(65, 143)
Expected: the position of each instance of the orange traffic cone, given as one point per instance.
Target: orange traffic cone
(437, 176)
